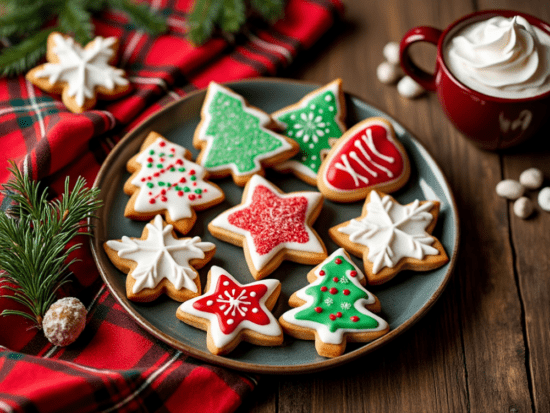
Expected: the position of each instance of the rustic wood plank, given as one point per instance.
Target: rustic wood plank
(469, 352)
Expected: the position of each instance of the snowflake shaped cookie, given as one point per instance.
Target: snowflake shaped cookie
(313, 122)
(236, 139)
(231, 312)
(80, 74)
(272, 226)
(165, 181)
(392, 237)
(160, 262)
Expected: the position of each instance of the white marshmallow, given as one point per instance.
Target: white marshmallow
(523, 207)
(408, 88)
(531, 178)
(509, 189)
(391, 52)
(388, 73)
(544, 198)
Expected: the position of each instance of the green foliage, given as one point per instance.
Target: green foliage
(228, 15)
(23, 23)
(33, 246)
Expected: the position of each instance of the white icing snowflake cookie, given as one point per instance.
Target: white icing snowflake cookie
(159, 262)
(391, 237)
(231, 312)
(272, 226)
(236, 139)
(80, 74)
(165, 181)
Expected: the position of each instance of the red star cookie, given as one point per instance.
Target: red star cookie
(272, 226)
(231, 312)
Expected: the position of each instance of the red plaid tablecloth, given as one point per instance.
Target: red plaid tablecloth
(115, 365)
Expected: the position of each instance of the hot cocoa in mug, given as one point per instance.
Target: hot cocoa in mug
(492, 74)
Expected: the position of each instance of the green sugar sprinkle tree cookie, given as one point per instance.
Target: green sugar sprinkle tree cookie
(334, 308)
(235, 138)
(313, 122)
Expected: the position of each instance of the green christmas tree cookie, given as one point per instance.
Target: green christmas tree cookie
(236, 139)
(334, 308)
(313, 122)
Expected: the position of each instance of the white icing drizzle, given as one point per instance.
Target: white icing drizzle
(370, 143)
(323, 332)
(346, 167)
(259, 261)
(219, 338)
(392, 231)
(161, 256)
(83, 69)
(177, 203)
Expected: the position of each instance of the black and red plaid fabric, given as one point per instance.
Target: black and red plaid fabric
(115, 365)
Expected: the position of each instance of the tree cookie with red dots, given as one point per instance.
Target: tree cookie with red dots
(80, 74)
(165, 181)
(237, 139)
(231, 312)
(159, 262)
(366, 157)
(272, 226)
(335, 308)
(391, 237)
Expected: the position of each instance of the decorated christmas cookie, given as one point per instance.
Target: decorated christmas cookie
(334, 308)
(314, 122)
(165, 181)
(236, 139)
(159, 262)
(367, 156)
(391, 237)
(79, 74)
(231, 312)
(272, 226)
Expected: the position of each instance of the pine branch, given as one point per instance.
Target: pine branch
(20, 57)
(23, 19)
(270, 10)
(202, 20)
(33, 249)
(141, 15)
(75, 19)
(233, 15)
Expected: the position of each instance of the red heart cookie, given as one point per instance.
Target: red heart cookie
(366, 157)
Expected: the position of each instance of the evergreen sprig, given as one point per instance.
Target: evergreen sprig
(228, 15)
(23, 24)
(33, 245)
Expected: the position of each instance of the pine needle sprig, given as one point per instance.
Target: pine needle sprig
(228, 15)
(34, 257)
(23, 23)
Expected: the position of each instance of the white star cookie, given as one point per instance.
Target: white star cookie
(80, 74)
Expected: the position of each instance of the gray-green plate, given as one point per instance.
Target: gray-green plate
(404, 299)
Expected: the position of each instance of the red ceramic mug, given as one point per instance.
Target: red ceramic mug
(490, 122)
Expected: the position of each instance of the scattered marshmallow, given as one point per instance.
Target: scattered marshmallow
(531, 178)
(544, 198)
(391, 52)
(388, 73)
(408, 88)
(509, 189)
(523, 207)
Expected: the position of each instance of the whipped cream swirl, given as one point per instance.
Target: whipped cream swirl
(501, 57)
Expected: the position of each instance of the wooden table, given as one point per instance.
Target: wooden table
(485, 345)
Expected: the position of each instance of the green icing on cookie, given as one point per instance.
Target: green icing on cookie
(238, 137)
(335, 298)
(312, 126)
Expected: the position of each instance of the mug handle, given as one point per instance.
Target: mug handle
(419, 34)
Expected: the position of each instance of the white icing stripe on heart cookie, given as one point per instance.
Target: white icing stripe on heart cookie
(271, 221)
(167, 180)
(232, 307)
(161, 256)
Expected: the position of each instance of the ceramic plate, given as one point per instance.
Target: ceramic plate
(404, 299)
